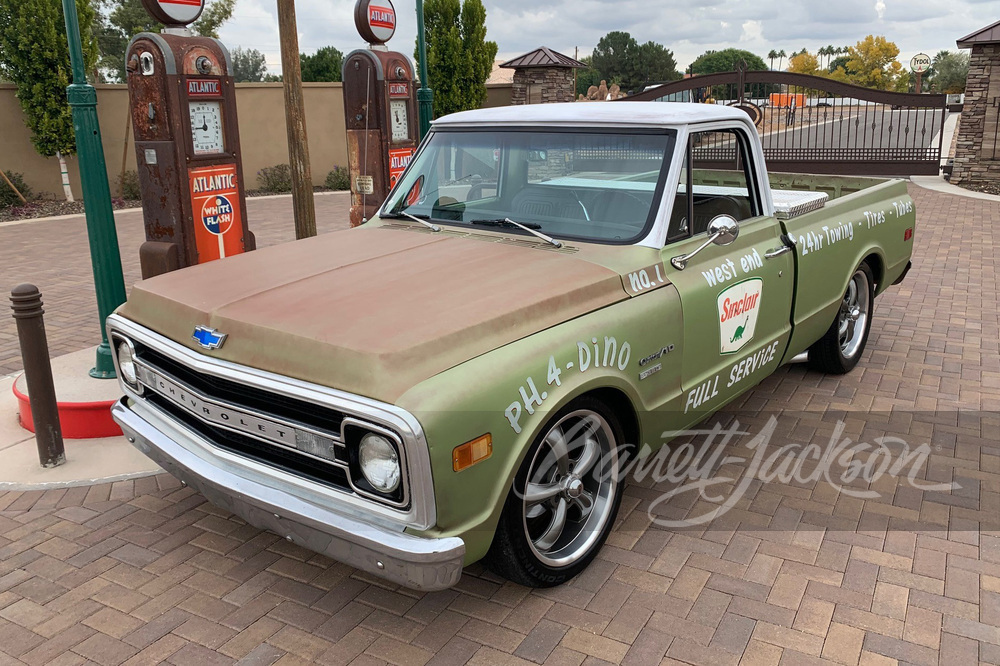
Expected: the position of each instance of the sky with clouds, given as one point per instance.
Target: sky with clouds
(518, 26)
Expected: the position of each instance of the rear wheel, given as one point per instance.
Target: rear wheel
(564, 499)
(840, 348)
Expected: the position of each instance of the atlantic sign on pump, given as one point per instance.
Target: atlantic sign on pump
(215, 205)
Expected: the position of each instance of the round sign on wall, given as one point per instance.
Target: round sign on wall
(174, 12)
(375, 20)
(920, 63)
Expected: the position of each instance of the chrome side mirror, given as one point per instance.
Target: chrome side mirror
(722, 230)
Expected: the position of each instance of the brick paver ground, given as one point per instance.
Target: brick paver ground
(54, 256)
(797, 573)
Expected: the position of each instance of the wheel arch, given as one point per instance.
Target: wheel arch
(619, 402)
(877, 265)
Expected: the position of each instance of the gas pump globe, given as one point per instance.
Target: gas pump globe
(183, 109)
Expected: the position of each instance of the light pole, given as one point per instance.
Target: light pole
(104, 253)
(425, 96)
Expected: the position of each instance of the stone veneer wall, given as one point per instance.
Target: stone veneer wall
(556, 84)
(977, 151)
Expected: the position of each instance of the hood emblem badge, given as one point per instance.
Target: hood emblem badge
(209, 338)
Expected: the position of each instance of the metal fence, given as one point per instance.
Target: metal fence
(811, 124)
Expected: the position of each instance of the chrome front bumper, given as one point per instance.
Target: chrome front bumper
(414, 562)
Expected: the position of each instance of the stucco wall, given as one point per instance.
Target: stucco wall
(261, 109)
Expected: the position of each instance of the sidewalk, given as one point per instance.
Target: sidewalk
(54, 255)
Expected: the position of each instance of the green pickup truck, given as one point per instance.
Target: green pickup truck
(547, 290)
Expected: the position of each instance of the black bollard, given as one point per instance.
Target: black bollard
(26, 302)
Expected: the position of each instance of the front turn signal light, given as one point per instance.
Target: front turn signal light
(470, 453)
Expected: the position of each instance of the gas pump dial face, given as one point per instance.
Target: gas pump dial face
(400, 126)
(206, 128)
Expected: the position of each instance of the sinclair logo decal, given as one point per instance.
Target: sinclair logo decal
(739, 306)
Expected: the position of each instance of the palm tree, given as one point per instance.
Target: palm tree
(821, 51)
(771, 55)
(781, 56)
(830, 50)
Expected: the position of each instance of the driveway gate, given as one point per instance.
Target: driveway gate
(811, 124)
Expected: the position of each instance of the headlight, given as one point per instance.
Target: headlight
(379, 462)
(126, 363)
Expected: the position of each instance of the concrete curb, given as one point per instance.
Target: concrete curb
(54, 485)
(939, 184)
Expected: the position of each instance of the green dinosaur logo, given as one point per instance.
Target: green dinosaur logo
(738, 335)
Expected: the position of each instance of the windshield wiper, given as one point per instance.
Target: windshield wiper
(422, 219)
(530, 227)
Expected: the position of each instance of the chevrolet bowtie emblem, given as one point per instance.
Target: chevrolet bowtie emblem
(209, 338)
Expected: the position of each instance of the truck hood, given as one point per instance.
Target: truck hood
(374, 310)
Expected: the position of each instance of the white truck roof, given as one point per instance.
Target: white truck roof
(623, 113)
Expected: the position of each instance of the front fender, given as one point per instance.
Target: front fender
(512, 392)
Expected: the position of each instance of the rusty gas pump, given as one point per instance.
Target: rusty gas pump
(183, 109)
(380, 110)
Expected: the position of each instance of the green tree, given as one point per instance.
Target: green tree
(614, 57)
(324, 65)
(120, 20)
(587, 76)
(35, 57)
(654, 64)
(249, 65)
(951, 68)
(620, 59)
(459, 59)
(771, 55)
(725, 60)
(872, 63)
(840, 62)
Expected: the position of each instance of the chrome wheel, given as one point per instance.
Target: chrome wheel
(571, 487)
(852, 323)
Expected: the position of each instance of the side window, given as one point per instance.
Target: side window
(722, 178)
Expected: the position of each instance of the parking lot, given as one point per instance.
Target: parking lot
(804, 572)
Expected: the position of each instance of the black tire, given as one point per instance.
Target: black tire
(841, 347)
(514, 554)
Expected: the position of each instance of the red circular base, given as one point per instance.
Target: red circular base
(79, 420)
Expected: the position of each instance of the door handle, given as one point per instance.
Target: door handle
(787, 245)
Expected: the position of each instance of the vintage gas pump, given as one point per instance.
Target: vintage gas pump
(380, 110)
(183, 109)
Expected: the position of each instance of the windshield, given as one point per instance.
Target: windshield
(595, 185)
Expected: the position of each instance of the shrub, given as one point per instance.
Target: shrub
(128, 185)
(339, 178)
(275, 179)
(8, 198)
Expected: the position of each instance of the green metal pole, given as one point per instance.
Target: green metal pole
(104, 253)
(425, 96)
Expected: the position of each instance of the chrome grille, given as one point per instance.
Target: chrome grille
(290, 434)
